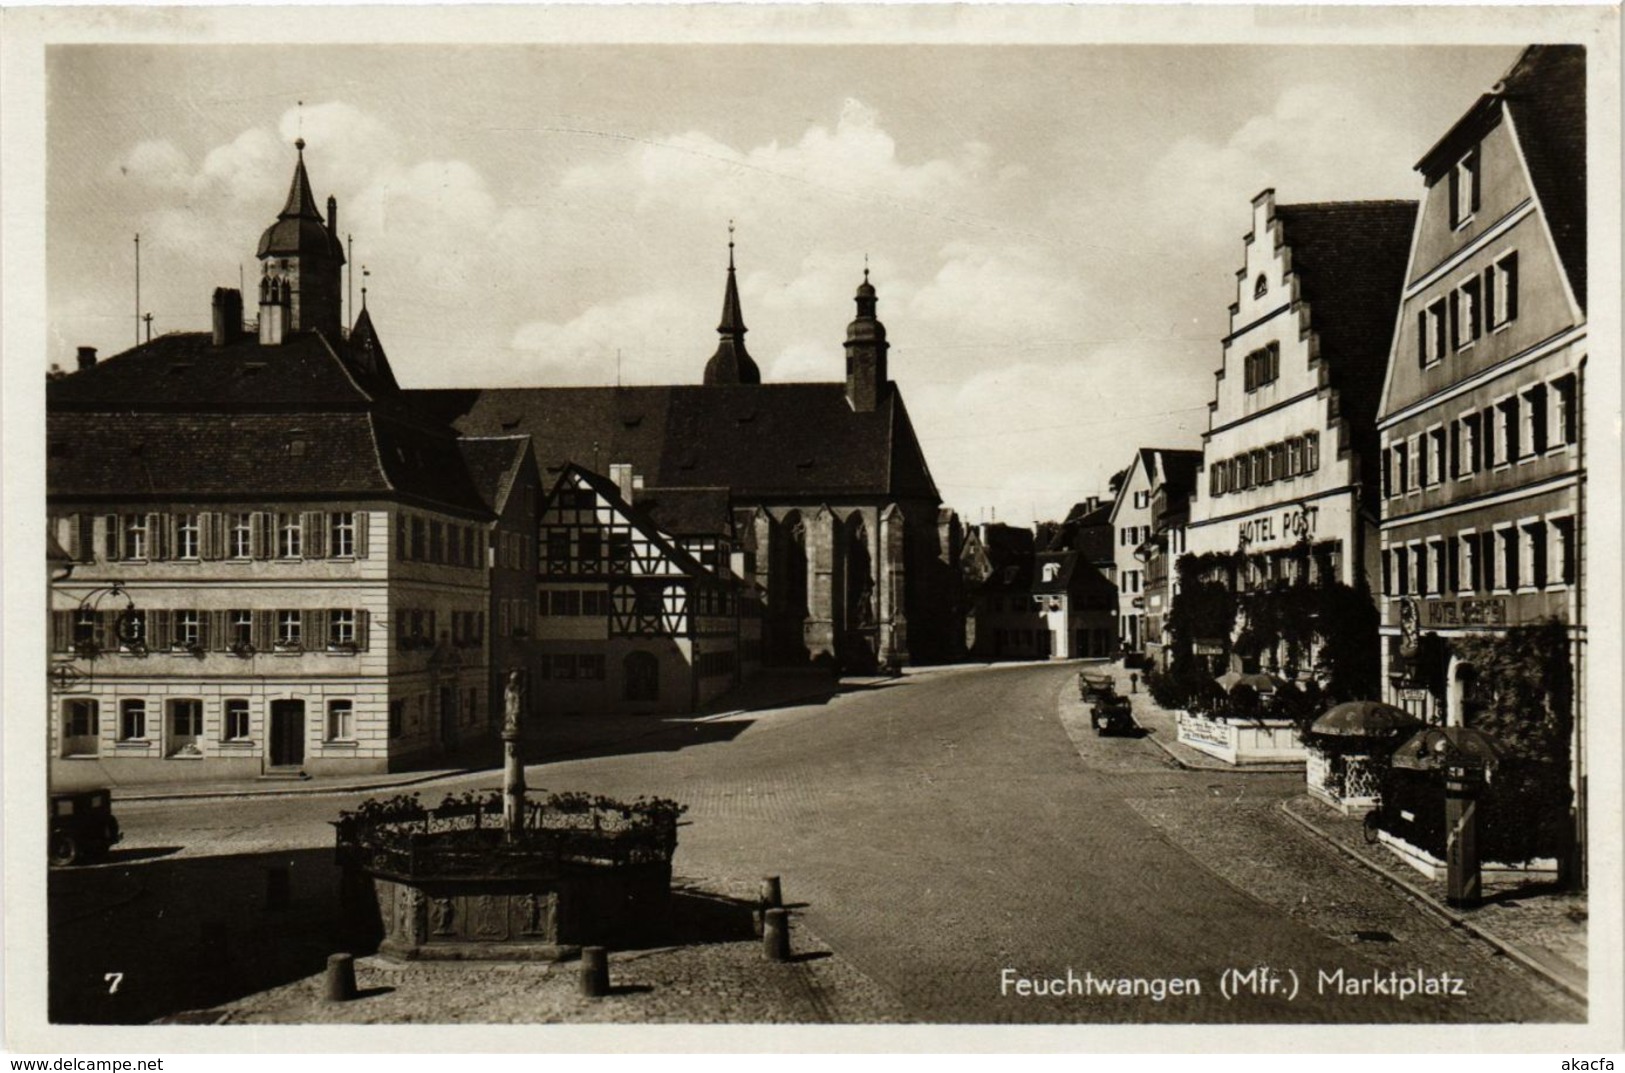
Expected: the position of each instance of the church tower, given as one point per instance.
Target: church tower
(301, 259)
(866, 353)
(731, 364)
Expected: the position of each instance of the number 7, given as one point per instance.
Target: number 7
(114, 979)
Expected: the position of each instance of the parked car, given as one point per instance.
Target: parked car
(82, 826)
(1110, 711)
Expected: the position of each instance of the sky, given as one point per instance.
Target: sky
(1053, 231)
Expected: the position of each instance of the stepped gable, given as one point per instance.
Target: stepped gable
(1350, 260)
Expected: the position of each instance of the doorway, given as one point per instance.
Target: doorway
(448, 717)
(287, 733)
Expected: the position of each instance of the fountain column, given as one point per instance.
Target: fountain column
(513, 772)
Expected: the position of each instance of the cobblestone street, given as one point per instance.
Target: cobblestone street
(936, 831)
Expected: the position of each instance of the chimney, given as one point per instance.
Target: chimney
(332, 215)
(87, 358)
(637, 487)
(620, 475)
(228, 315)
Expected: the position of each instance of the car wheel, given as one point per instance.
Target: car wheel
(64, 849)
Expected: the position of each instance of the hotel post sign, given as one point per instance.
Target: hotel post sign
(1287, 525)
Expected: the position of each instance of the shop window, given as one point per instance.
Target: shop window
(185, 725)
(81, 718)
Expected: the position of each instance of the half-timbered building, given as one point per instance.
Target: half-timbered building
(630, 620)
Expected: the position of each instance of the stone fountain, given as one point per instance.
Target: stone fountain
(500, 876)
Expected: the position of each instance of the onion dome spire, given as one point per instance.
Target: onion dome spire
(731, 364)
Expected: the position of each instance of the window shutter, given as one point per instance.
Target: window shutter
(157, 530)
(112, 537)
(263, 631)
(362, 629)
(1509, 270)
(205, 630)
(159, 632)
(107, 626)
(314, 629)
(214, 630)
(85, 529)
(315, 525)
(61, 631)
(1489, 297)
(360, 534)
(1455, 319)
(256, 535)
(1455, 195)
(208, 537)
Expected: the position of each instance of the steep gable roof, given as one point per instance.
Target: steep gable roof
(494, 463)
(1546, 94)
(688, 512)
(794, 441)
(612, 495)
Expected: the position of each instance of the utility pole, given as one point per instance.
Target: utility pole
(148, 319)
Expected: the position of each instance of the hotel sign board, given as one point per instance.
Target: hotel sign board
(1491, 611)
(1287, 525)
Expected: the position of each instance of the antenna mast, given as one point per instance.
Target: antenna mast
(138, 288)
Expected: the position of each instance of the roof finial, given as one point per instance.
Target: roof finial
(866, 268)
(299, 142)
(730, 245)
(365, 272)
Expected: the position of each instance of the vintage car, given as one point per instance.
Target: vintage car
(82, 826)
(1110, 711)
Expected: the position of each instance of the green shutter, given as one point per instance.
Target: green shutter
(360, 534)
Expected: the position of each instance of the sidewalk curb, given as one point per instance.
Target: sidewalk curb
(313, 788)
(1455, 919)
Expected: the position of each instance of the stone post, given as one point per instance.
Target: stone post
(513, 771)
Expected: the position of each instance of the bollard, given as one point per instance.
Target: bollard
(340, 977)
(594, 971)
(278, 889)
(772, 893)
(1133, 683)
(776, 934)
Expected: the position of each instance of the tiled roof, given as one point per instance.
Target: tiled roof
(1179, 472)
(1546, 92)
(1350, 259)
(688, 511)
(309, 455)
(185, 370)
(493, 465)
(761, 441)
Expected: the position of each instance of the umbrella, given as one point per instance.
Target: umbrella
(1426, 749)
(1364, 719)
(1261, 683)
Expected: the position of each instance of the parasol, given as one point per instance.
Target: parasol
(1364, 719)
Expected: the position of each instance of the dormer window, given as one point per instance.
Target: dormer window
(1261, 287)
(1464, 188)
(1052, 571)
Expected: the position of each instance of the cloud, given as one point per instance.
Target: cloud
(657, 333)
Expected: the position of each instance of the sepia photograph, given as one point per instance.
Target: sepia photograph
(1034, 518)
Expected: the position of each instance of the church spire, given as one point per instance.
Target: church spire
(301, 202)
(303, 252)
(866, 347)
(731, 364)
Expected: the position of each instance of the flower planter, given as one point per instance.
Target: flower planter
(1241, 742)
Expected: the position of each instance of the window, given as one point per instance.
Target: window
(590, 667)
(1311, 452)
(340, 628)
(1216, 483)
(234, 727)
(595, 602)
(397, 718)
(1533, 432)
(239, 629)
(1262, 367)
(1506, 567)
(1402, 467)
(1464, 188)
(340, 720)
(1294, 456)
(1467, 455)
(1436, 455)
(84, 626)
(1439, 565)
(289, 628)
(290, 535)
(185, 725)
(1486, 425)
(1431, 342)
(188, 628)
(641, 671)
(1142, 500)
(419, 552)
(1466, 311)
(1532, 553)
(1402, 564)
(341, 535)
(240, 536)
(558, 546)
(1565, 423)
(1506, 431)
(620, 551)
(81, 718)
(136, 536)
(132, 719)
(402, 537)
(1419, 568)
(1255, 467)
(186, 536)
(437, 542)
(1388, 573)
(1467, 552)
(1561, 549)
(1261, 286)
(1501, 292)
